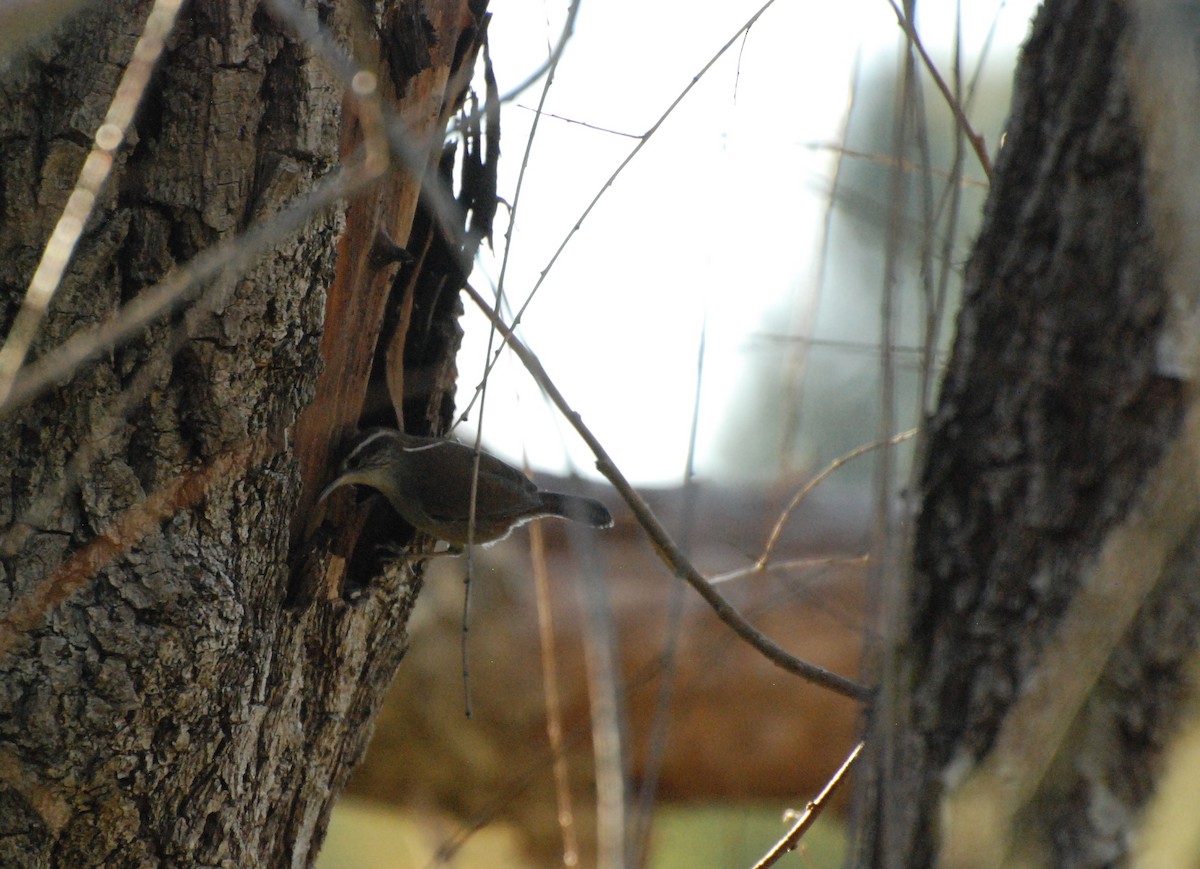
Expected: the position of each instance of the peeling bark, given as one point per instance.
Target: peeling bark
(172, 709)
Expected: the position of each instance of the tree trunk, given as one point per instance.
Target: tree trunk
(1039, 655)
(160, 703)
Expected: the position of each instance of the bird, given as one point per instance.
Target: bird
(427, 480)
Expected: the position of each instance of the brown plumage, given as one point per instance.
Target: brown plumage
(428, 482)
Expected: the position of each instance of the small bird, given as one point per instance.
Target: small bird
(428, 482)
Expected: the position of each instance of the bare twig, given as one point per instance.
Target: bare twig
(481, 389)
(799, 497)
(567, 120)
(790, 564)
(607, 711)
(549, 64)
(554, 725)
(644, 139)
(662, 541)
(96, 168)
(656, 742)
(798, 352)
(891, 160)
(956, 108)
(231, 253)
(175, 290)
(221, 263)
(789, 842)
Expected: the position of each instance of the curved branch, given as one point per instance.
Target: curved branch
(666, 547)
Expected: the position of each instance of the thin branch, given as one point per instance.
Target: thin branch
(606, 706)
(524, 779)
(549, 64)
(61, 363)
(656, 741)
(799, 497)
(659, 537)
(175, 290)
(554, 724)
(910, 356)
(956, 108)
(798, 354)
(47, 278)
(644, 139)
(791, 564)
(789, 842)
(567, 120)
(217, 265)
(893, 161)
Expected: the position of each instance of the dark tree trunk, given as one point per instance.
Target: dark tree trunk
(159, 703)
(1039, 653)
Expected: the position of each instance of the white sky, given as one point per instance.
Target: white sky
(713, 223)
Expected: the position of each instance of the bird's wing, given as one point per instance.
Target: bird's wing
(504, 489)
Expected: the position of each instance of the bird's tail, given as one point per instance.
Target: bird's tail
(585, 510)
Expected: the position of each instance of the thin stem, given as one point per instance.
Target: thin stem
(811, 813)
(666, 547)
(976, 140)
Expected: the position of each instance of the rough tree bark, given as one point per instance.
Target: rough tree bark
(1040, 652)
(159, 703)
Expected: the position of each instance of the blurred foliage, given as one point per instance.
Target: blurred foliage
(368, 835)
(739, 836)
(365, 835)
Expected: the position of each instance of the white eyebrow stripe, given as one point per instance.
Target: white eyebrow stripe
(372, 438)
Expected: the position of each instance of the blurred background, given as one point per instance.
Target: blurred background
(769, 284)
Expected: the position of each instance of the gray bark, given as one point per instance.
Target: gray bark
(171, 710)
(1052, 604)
